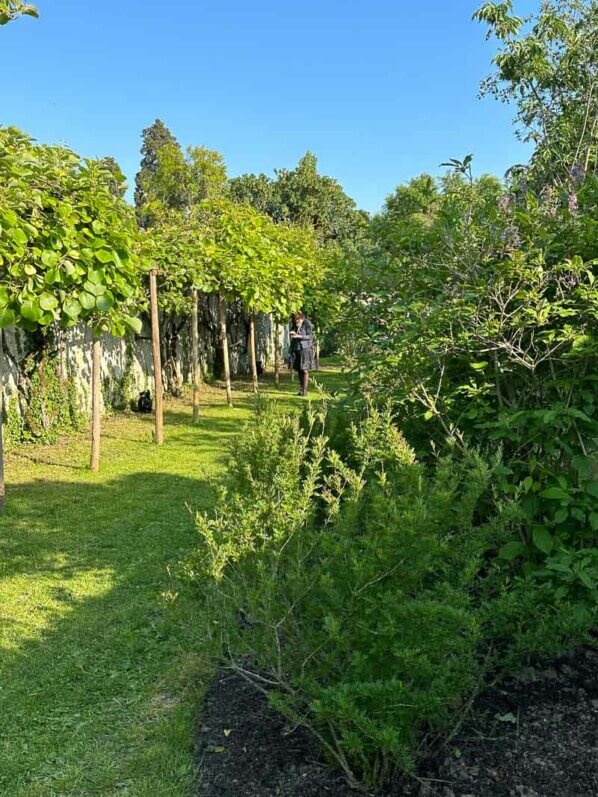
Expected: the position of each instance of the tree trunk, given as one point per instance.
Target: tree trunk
(277, 353)
(195, 354)
(317, 351)
(96, 394)
(252, 353)
(157, 359)
(224, 344)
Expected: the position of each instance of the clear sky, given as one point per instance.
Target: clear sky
(380, 90)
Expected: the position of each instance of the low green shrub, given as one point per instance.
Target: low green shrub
(362, 591)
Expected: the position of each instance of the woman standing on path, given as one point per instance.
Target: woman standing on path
(301, 334)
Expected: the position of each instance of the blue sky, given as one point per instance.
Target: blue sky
(380, 90)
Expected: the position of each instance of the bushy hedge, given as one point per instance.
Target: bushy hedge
(358, 587)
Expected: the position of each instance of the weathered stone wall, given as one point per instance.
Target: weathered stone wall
(134, 355)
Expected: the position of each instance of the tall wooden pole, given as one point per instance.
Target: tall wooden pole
(224, 344)
(157, 358)
(2, 485)
(276, 352)
(252, 353)
(195, 354)
(96, 366)
(317, 351)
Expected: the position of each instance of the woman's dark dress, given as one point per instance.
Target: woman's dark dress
(301, 348)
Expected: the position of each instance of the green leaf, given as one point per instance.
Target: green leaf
(592, 488)
(31, 311)
(542, 539)
(93, 288)
(555, 493)
(133, 323)
(479, 365)
(48, 302)
(104, 303)
(104, 255)
(52, 276)
(72, 308)
(7, 319)
(18, 236)
(96, 276)
(88, 301)
(512, 550)
(50, 258)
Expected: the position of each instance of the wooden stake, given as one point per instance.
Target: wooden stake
(157, 358)
(277, 353)
(195, 354)
(224, 344)
(252, 353)
(317, 352)
(96, 367)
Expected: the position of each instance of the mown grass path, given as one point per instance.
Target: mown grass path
(102, 662)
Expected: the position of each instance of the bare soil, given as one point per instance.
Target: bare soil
(533, 736)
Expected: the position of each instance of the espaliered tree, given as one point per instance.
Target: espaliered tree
(263, 264)
(175, 250)
(171, 184)
(66, 248)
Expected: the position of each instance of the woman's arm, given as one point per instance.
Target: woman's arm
(307, 331)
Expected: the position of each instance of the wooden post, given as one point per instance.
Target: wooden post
(195, 354)
(252, 353)
(2, 485)
(317, 351)
(157, 359)
(224, 344)
(277, 353)
(96, 394)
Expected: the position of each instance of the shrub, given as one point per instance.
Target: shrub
(349, 591)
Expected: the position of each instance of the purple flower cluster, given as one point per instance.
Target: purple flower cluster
(504, 203)
(577, 173)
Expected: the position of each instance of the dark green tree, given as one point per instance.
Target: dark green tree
(257, 190)
(307, 197)
(154, 138)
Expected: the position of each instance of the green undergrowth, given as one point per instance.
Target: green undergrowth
(102, 651)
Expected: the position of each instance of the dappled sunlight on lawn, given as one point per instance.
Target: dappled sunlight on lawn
(102, 652)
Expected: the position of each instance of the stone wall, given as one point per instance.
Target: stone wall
(133, 355)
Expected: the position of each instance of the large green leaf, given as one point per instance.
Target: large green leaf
(72, 308)
(31, 310)
(48, 301)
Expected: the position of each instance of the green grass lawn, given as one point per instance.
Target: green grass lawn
(102, 661)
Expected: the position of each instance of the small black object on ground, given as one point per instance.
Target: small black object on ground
(144, 402)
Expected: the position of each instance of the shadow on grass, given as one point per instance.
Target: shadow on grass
(91, 629)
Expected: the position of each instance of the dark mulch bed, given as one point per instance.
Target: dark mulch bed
(534, 736)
